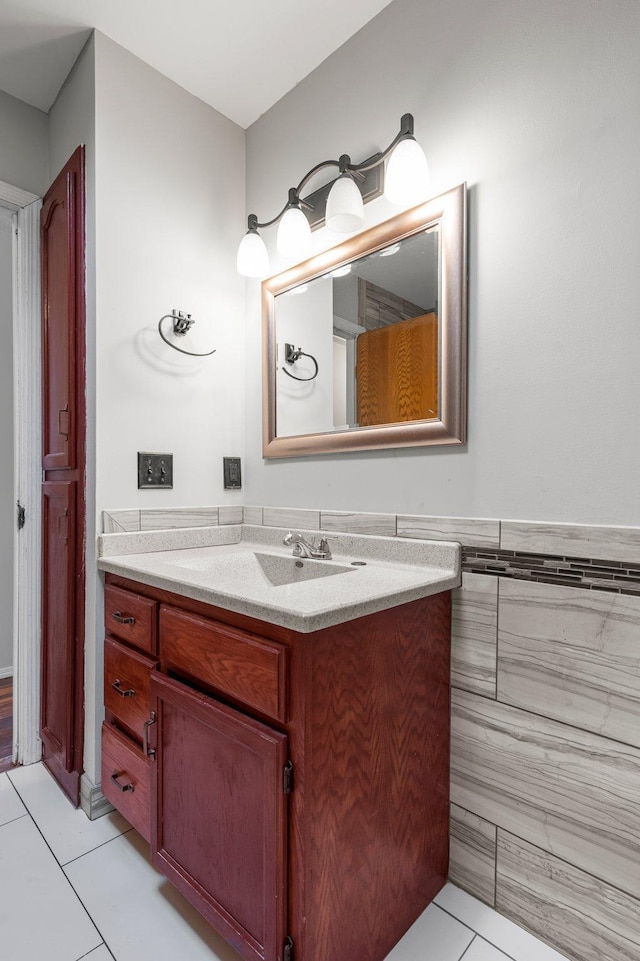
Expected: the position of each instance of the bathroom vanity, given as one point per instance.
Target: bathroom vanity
(293, 784)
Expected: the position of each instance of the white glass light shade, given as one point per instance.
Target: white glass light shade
(345, 209)
(253, 259)
(294, 234)
(406, 179)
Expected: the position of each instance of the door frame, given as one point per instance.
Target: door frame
(27, 470)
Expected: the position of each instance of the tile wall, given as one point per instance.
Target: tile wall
(545, 749)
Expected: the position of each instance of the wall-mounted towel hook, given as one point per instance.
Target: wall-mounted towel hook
(182, 324)
(292, 354)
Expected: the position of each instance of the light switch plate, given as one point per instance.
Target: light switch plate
(155, 471)
(232, 473)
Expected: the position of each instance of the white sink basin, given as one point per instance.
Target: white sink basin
(289, 570)
(244, 566)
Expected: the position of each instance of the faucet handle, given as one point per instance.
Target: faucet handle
(325, 549)
(287, 540)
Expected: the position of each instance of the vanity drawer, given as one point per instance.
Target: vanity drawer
(252, 670)
(126, 779)
(131, 617)
(126, 685)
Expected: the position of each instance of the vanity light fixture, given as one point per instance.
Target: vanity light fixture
(406, 183)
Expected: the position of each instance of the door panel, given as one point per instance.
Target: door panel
(58, 615)
(58, 307)
(63, 463)
(219, 816)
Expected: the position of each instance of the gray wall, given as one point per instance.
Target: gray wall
(23, 145)
(7, 513)
(537, 107)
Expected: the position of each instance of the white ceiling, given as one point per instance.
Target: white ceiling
(239, 56)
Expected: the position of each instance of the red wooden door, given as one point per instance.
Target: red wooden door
(218, 813)
(63, 466)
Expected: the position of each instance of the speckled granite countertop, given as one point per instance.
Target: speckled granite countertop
(247, 570)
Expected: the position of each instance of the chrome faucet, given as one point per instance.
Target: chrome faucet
(302, 548)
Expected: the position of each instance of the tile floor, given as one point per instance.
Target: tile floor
(71, 888)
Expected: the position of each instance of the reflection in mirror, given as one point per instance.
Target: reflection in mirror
(365, 344)
(368, 342)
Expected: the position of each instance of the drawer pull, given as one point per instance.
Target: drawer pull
(128, 693)
(128, 786)
(145, 736)
(123, 618)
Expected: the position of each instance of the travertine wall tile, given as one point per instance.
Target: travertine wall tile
(178, 517)
(384, 525)
(115, 522)
(573, 793)
(474, 634)
(470, 532)
(253, 515)
(572, 540)
(576, 913)
(573, 655)
(230, 514)
(472, 854)
(291, 517)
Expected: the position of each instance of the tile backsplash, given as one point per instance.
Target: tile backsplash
(545, 713)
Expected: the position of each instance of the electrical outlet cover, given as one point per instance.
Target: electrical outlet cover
(232, 473)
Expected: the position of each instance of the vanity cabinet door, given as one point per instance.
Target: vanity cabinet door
(219, 815)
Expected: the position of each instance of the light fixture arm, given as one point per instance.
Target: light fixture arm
(344, 165)
(338, 203)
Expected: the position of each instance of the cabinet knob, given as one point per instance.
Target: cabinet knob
(127, 786)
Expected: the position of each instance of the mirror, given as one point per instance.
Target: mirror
(365, 344)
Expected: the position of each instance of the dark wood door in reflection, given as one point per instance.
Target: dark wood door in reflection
(397, 372)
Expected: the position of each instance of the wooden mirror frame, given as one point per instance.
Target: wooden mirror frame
(448, 212)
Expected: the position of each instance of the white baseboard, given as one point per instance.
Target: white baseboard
(6, 672)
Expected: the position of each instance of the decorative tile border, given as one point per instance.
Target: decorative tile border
(618, 577)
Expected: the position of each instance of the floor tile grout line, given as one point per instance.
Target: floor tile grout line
(62, 864)
(86, 909)
(96, 848)
(472, 941)
(12, 820)
(484, 938)
(63, 873)
(463, 923)
(89, 953)
(97, 948)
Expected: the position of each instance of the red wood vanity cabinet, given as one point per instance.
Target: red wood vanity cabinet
(294, 787)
